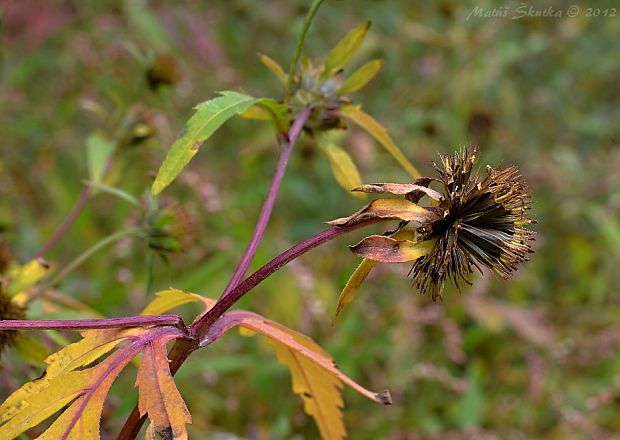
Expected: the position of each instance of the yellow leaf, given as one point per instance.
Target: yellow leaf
(158, 394)
(85, 388)
(275, 68)
(360, 77)
(27, 275)
(344, 169)
(376, 130)
(344, 50)
(169, 299)
(355, 281)
(314, 375)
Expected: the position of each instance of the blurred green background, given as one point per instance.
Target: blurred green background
(535, 357)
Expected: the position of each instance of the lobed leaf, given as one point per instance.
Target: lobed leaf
(95, 343)
(345, 49)
(209, 116)
(353, 284)
(82, 392)
(315, 377)
(389, 250)
(360, 77)
(343, 168)
(398, 209)
(357, 116)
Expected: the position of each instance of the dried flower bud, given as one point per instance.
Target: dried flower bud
(483, 224)
(164, 71)
(171, 230)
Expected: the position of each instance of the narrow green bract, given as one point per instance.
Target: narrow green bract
(209, 116)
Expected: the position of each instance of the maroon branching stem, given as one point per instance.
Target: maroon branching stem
(200, 327)
(85, 324)
(184, 347)
(67, 222)
(285, 152)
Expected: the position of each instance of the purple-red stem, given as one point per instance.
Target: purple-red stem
(200, 327)
(285, 152)
(85, 324)
(66, 224)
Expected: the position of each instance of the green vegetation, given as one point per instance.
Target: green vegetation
(534, 357)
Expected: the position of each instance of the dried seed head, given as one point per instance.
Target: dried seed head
(9, 310)
(484, 224)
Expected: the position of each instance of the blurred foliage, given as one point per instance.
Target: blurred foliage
(535, 357)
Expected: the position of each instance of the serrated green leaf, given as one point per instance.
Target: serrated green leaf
(98, 151)
(345, 49)
(361, 76)
(342, 165)
(209, 116)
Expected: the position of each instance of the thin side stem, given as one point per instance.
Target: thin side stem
(67, 222)
(200, 327)
(85, 324)
(300, 42)
(265, 214)
(87, 253)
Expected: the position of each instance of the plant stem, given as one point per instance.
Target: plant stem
(200, 327)
(300, 42)
(84, 324)
(87, 253)
(265, 214)
(67, 222)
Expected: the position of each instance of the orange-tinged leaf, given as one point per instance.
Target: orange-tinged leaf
(315, 377)
(398, 209)
(344, 50)
(158, 394)
(343, 168)
(355, 114)
(389, 250)
(85, 388)
(353, 284)
(360, 77)
(95, 343)
(275, 68)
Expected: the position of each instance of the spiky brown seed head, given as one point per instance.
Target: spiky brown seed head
(484, 223)
(9, 310)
